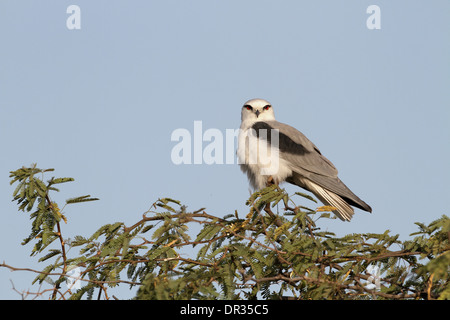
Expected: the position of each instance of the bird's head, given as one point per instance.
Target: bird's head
(257, 110)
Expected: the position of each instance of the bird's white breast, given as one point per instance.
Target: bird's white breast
(259, 159)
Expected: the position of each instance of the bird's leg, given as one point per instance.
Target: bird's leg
(270, 181)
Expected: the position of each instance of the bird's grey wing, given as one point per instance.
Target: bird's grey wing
(298, 150)
(306, 161)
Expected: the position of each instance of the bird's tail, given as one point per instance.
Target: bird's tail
(343, 210)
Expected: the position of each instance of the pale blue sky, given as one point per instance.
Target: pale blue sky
(99, 104)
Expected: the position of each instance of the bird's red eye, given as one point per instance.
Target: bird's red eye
(248, 107)
(266, 107)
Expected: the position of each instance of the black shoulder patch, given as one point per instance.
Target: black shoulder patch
(286, 144)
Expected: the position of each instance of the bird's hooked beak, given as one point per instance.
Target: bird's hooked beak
(257, 113)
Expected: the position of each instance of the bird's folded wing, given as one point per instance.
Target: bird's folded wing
(305, 160)
(297, 149)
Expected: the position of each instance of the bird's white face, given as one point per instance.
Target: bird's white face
(257, 110)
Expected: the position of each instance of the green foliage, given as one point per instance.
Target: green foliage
(32, 190)
(263, 255)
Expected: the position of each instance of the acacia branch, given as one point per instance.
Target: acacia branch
(61, 241)
(97, 282)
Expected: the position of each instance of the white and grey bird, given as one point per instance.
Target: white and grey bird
(273, 152)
